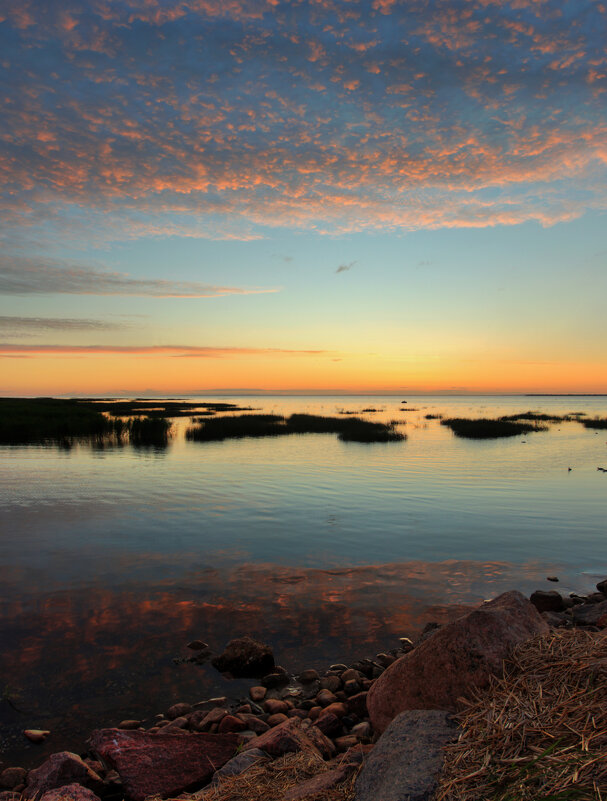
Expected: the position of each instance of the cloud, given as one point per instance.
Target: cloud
(27, 325)
(345, 267)
(192, 351)
(21, 276)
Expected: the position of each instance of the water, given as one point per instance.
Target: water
(111, 560)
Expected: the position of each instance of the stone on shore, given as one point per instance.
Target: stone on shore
(407, 758)
(12, 777)
(162, 764)
(70, 792)
(36, 735)
(59, 770)
(284, 738)
(589, 614)
(547, 601)
(457, 658)
(245, 657)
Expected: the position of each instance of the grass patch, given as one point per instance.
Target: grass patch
(160, 408)
(538, 733)
(483, 428)
(271, 781)
(538, 416)
(352, 429)
(595, 422)
(433, 417)
(38, 421)
(149, 431)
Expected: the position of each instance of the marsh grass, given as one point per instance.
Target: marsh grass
(160, 408)
(483, 428)
(352, 429)
(595, 422)
(37, 421)
(148, 431)
(539, 417)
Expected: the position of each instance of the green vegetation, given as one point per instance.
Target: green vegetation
(268, 425)
(483, 428)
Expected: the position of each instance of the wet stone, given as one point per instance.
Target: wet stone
(257, 693)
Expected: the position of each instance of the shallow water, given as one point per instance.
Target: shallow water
(111, 560)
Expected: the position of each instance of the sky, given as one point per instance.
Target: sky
(360, 196)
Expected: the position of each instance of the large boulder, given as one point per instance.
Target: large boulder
(245, 657)
(407, 758)
(59, 770)
(455, 659)
(162, 764)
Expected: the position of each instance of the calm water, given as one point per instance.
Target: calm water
(111, 560)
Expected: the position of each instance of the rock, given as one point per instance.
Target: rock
(231, 723)
(255, 724)
(308, 676)
(319, 784)
(245, 657)
(36, 735)
(202, 721)
(595, 598)
(455, 660)
(555, 619)
(297, 713)
(589, 614)
(239, 763)
(357, 704)
(274, 705)
(331, 683)
(276, 719)
(602, 586)
(197, 645)
(272, 680)
(346, 742)
(361, 730)
(12, 777)
(326, 697)
(315, 712)
(257, 693)
(547, 601)
(177, 723)
(322, 743)
(162, 764)
(129, 724)
(357, 754)
(338, 708)
(385, 660)
(407, 758)
(328, 723)
(70, 792)
(287, 737)
(211, 702)
(9, 795)
(178, 711)
(351, 687)
(60, 769)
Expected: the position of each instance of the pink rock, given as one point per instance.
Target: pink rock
(162, 764)
(456, 659)
(60, 769)
(70, 792)
(284, 738)
(231, 723)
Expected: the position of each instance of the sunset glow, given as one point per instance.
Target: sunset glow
(315, 195)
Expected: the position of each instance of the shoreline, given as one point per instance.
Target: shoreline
(333, 700)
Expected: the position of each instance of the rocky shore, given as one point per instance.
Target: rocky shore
(371, 730)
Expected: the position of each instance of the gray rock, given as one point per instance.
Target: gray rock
(547, 601)
(602, 586)
(407, 758)
(589, 614)
(239, 764)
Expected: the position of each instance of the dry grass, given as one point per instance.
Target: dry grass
(269, 781)
(540, 731)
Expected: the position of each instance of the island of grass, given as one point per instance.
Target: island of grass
(352, 429)
(595, 422)
(484, 428)
(56, 421)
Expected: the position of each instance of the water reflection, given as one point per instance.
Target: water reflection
(75, 660)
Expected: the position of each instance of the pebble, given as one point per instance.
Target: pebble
(197, 645)
(178, 710)
(308, 676)
(257, 693)
(129, 724)
(273, 706)
(36, 735)
(326, 697)
(278, 717)
(343, 743)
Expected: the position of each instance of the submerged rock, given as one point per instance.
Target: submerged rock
(245, 657)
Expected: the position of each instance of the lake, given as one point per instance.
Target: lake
(112, 559)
